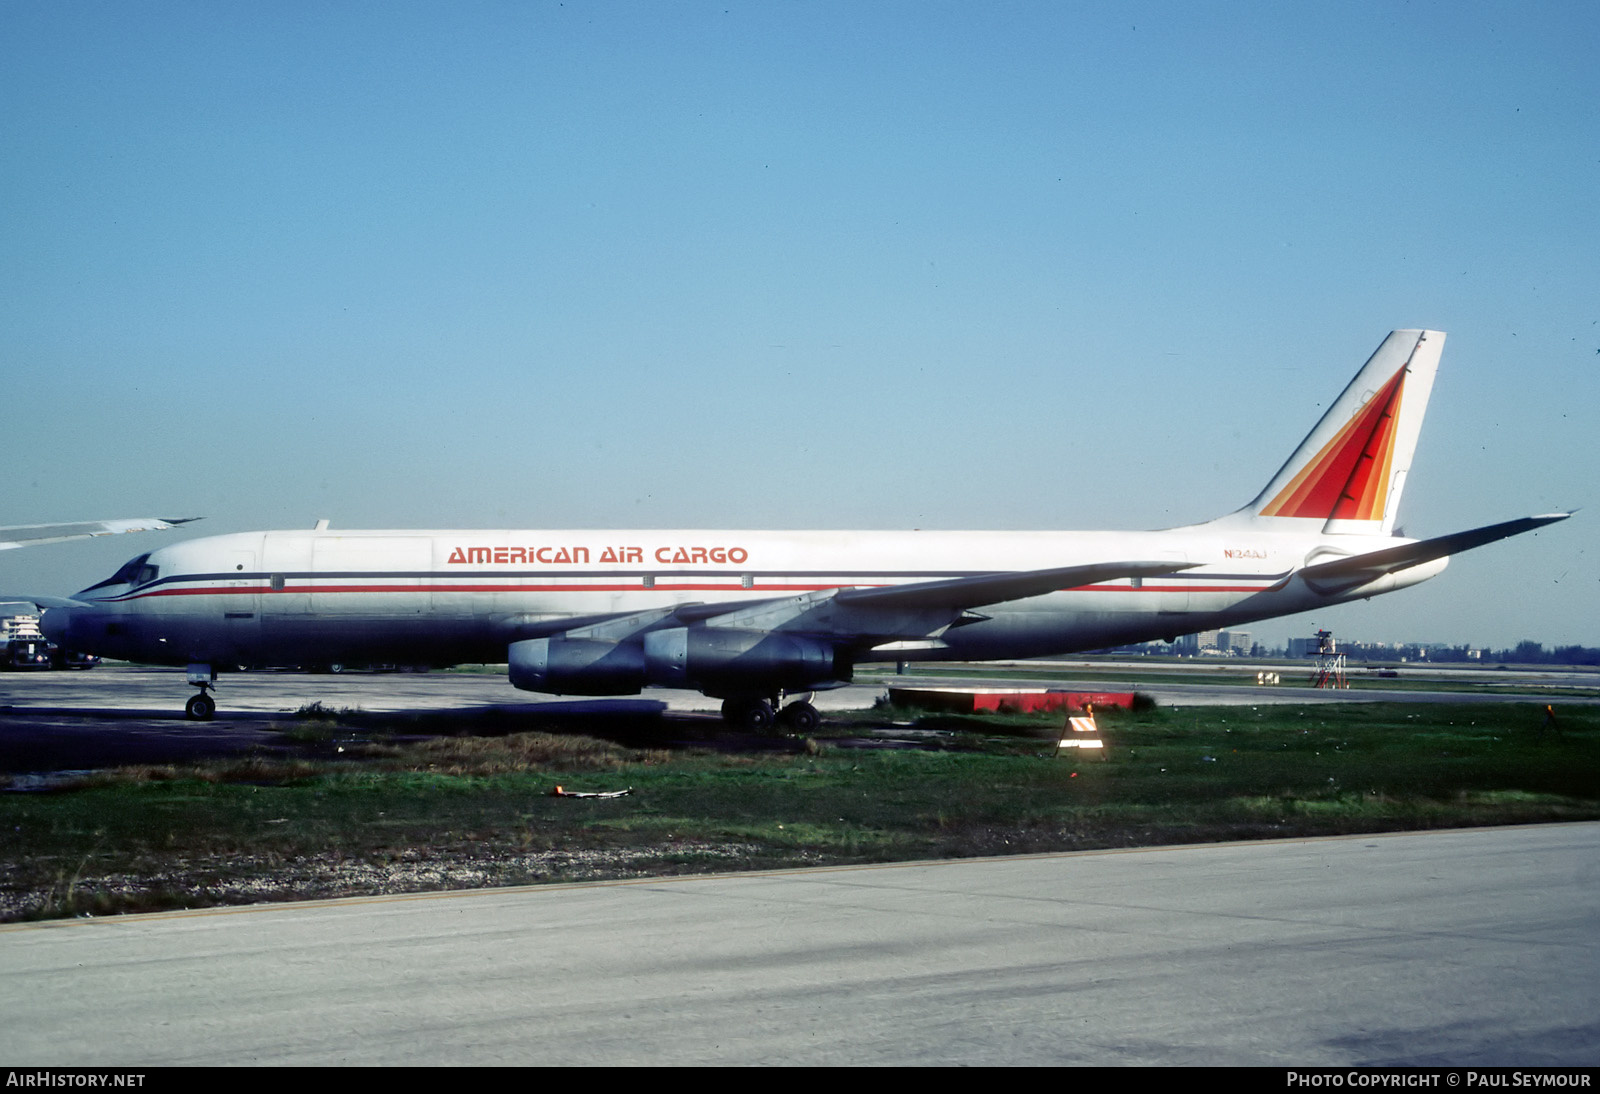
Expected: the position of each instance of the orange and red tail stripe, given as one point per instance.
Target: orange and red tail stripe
(1348, 479)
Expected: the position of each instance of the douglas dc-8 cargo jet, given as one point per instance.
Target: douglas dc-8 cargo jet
(754, 617)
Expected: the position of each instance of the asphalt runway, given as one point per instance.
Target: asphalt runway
(1441, 948)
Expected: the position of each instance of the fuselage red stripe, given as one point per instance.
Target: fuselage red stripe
(321, 590)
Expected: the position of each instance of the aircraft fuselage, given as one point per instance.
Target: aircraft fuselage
(451, 597)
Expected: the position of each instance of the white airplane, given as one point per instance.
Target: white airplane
(752, 617)
(31, 535)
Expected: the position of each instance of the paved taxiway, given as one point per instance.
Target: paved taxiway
(1467, 947)
(122, 690)
(70, 721)
(56, 721)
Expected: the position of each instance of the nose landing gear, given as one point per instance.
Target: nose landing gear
(201, 707)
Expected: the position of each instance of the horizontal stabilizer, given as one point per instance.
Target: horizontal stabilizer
(975, 592)
(1359, 569)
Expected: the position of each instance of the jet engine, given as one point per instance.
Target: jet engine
(577, 666)
(715, 660)
(722, 661)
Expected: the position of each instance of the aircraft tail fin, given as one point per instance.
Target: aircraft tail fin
(1348, 473)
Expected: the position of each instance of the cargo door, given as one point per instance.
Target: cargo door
(240, 600)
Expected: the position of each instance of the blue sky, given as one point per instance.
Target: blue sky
(797, 265)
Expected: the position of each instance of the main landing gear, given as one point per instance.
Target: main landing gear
(201, 707)
(800, 717)
(758, 714)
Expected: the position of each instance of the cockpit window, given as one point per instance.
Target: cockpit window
(137, 571)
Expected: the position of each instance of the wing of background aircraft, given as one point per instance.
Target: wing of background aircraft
(31, 535)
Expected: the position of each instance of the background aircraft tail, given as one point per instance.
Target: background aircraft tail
(1348, 474)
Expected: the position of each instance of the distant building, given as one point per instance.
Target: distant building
(1234, 642)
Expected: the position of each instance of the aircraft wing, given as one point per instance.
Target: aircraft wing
(1360, 569)
(974, 592)
(798, 638)
(31, 535)
(918, 610)
(864, 615)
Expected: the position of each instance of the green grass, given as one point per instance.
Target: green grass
(392, 812)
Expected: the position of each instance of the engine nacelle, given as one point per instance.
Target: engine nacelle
(716, 660)
(721, 661)
(577, 666)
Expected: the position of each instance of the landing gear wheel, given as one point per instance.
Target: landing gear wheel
(752, 715)
(801, 717)
(200, 707)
